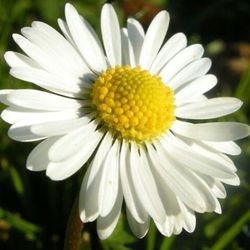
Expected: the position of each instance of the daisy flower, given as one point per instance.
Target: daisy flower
(125, 106)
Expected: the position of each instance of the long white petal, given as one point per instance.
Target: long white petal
(215, 185)
(197, 161)
(138, 229)
(107, 224)
(203, 149)
(67, 167)
(212, 131)
(4, 93)
(88, 45)
(49, 81)
(228, 147)
(22, 130)
(217, 208)
(56, 47)
(180, 60)
(37, 54)
(136, 36)
(192, 71)
(132, 201)
(173, 45)
(188, 218)
(15, 59)
(38, 159)
(88, 203)
(125, 48)
(100, 156)
(13, 114)
(72, 142)
(169, 201)
(165, 228)
(153, 39)
(182, 182)
(194, 89)
(89, 209)
(81, 204)
(59, 127)
(145, 186)
(109, 183)
(111, 35)
(40, 100)
(65, 30)
(210, 108)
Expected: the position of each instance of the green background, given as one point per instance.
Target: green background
(34, 209)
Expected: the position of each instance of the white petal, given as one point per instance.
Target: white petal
(194, 89)
(197, 160)
(182, 182)
(228, 147)
(205, 150)
(48, 81)
(88, 45)
(13, 115)
(174, 44)
(169, 201)
(100, 156)
(59, 127)
(165, 228)
(64, 169)
(16, 114)
(215, 185)
(212, 131)
(38, 159)
(125, 49)
(132, 201)
(89, 209)
(15, 59)
(217, 208)
(37, 54)
(48, 62)
(167, 196)
(136, 36)
(145, 186)
(72, 142)
(179, 61)
(57, 48)
(235, 181)
(88, 205)
(192, 71)
(65, 30)
(3, 96)
(138, 229)
(153, 39)
(82, 198)
(111, 35)
(188, 218)
(22, 130)
(107, 224)
(178, 224)
(109, 183)
(210, 108)
(40, 100)
(198, 99)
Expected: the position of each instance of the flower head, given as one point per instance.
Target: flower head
(127, 103)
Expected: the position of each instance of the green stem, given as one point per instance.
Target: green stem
(74, 229)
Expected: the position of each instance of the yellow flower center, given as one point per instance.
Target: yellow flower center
(133, 103)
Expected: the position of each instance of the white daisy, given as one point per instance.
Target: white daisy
(120, 104)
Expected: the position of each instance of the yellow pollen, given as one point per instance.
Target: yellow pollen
(134, 104)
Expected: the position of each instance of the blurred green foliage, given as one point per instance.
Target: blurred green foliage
(34, 210)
